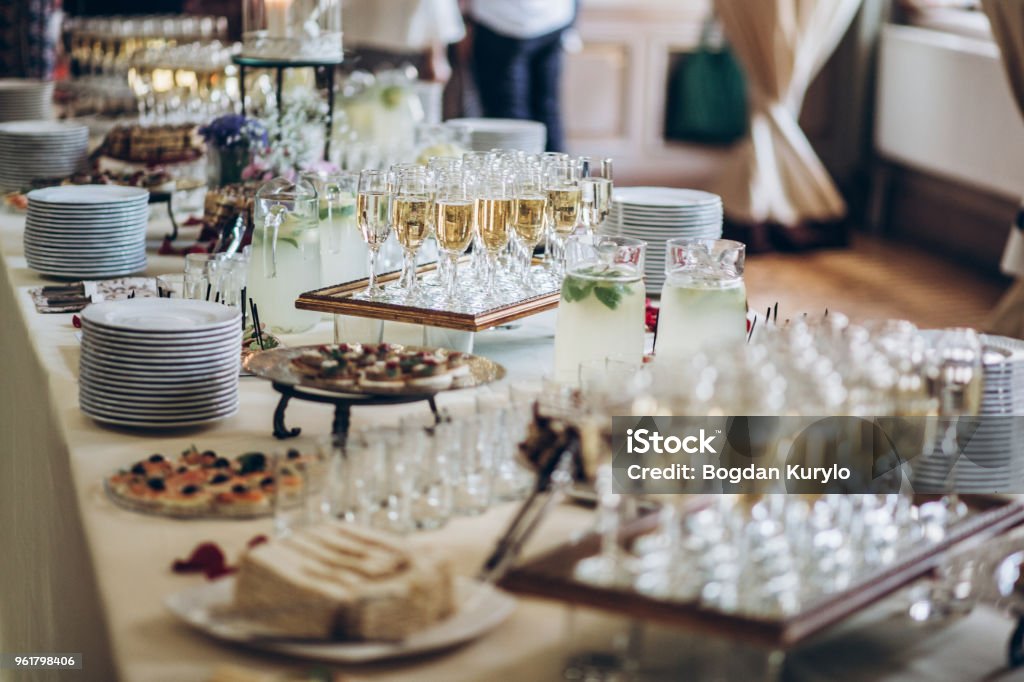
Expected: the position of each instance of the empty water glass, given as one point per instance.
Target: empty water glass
(300, 491)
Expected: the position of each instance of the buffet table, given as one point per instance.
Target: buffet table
(81, 575)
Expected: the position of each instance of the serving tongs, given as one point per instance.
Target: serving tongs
(553, 478)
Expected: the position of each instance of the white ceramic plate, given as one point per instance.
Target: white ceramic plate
(82, 273)
(212, 339)
(116, 420)
(130, 408)
(138, 373)
(170, 367)
(148, 382)
(71, 248)
(43, 128)
(663, 197)
(482, 609)
(89, 194)
(147, 396)
(168, 315)
(77, 246)
(496, 125)
(67, 263)
(130, 405)
(100, 217)
(201, 347)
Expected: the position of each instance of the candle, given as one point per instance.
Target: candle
(277, 18)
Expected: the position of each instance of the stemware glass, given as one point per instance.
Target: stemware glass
(528, 214)
(563, 211)
(413, 221)
(493, 216)
(959, 384)
(595, 201)
(373, 219)
(453, 225)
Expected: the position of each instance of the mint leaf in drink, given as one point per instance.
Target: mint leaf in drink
(576, 289)
(289, 240)
(609, 294)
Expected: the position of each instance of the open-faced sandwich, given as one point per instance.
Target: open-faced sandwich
(382, 366)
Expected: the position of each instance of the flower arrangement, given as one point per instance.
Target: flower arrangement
(232, 131)
(293, 133)
(232, 142)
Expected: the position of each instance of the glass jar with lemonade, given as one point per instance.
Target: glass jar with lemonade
(601, 311)
(285, 260)
(704, 299)
(342, 249)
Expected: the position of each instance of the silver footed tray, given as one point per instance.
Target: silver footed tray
(374, 369)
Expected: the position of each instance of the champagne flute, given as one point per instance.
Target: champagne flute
(563, 192)
(453, 224)
(413, 218)
(493, 217)
(528, 212)
(374, 224)
(595, 201)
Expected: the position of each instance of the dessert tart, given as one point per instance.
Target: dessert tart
(204, 484)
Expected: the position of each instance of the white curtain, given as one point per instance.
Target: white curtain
(1007, 19)
(775, 176)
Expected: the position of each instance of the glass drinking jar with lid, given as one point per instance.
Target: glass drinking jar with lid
(285, 259)
(703, 300)
(601, 311)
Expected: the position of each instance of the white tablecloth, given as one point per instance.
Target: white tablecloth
(78, 574)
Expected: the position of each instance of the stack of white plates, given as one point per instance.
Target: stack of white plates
(160, 362)
(656, 214)
(33, 150)
(87, 231)
(993, 456)
(22, 99)
(486, 134)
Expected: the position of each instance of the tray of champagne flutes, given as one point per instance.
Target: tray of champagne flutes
(778, 587)
(508, 301)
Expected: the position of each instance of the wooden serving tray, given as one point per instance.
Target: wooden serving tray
(550, 576)
(338, 300)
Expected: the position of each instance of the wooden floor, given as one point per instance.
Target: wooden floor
(874, 279)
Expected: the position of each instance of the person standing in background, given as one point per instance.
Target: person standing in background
(517, 59)
(29, 33)
(391, 33)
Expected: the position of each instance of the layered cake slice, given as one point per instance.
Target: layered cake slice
(342, 581)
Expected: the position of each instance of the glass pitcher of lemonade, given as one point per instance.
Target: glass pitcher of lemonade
(601, 311)
(704, 300)
(285, 260)
(342, 249)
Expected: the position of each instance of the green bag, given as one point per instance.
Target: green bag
(707, 96)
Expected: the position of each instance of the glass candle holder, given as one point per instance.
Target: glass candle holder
(292, 30)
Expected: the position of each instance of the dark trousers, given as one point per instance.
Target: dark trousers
(519, 78)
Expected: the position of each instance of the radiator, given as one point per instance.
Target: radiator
(945, 108)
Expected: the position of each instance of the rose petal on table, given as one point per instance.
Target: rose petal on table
(205, 557)
(257, 540)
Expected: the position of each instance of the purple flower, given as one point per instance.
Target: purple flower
(235, 130)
